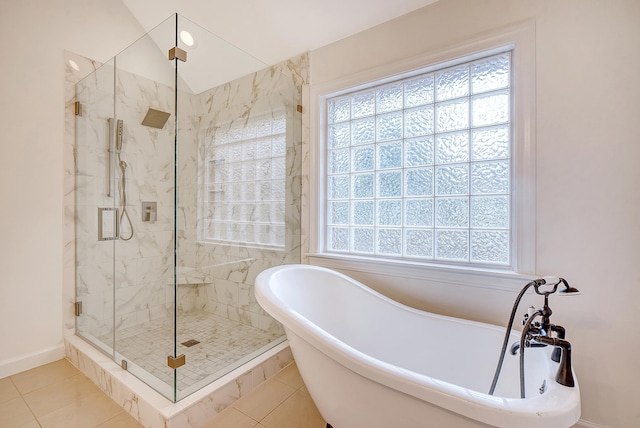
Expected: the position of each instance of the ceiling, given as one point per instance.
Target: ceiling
(266, 31)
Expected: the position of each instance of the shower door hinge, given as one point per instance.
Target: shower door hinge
(77, 308)
(175, 362)
(299, 108)
(176, 52)
(77, 108)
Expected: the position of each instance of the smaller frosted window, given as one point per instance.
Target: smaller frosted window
(245, 179)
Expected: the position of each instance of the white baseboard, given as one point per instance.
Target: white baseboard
(586, 424)
(28, 361)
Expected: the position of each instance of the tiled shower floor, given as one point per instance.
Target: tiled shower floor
(222, 343)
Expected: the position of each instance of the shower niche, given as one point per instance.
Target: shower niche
(190, 151)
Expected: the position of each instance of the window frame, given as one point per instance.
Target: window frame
(520, 39)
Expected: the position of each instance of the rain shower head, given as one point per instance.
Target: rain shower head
(155, 118)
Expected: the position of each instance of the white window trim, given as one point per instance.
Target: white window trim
(520, 38)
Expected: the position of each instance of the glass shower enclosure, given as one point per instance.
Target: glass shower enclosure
(187, 187)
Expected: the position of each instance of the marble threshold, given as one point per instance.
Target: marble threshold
(152, 409)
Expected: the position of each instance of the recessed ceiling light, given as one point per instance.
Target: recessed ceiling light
(74, 65)
(187, 38)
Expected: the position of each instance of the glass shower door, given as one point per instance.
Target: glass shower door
(144, 254)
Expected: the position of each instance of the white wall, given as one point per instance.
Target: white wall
(588, 179)
(35, 35)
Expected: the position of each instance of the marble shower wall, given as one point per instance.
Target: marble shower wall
(223, 274)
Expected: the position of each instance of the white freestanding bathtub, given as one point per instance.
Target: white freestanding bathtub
(369, 361)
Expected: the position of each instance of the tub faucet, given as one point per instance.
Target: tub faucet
(538, 334)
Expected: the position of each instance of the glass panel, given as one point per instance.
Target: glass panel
(490, 109)
(215, 292)
(418, 243)
(363, 104)
(490, 246)
(452, 148)
(220, 197)
(452, 245)
(389, 98)
(95, 184)
(490, 177)
(418, 91)
(452, 83)
(491, 73)
(389, 242)
(452, 212)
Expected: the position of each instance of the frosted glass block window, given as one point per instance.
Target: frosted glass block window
(420, 168)
(245, 182)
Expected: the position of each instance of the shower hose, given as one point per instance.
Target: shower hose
(123, 197)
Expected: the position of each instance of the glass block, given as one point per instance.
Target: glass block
(279, 124)
(490, 177)
(363, 158)
(220, 173)
(338, 187)
(338, 161)
(278, 189)
(418, 182)
(490, 212)
(278, 168)
(418, 212)
(236, 172)
(490, 246)
(278, 213)
(249, 191)
(452, 148)
(490, 74)
(263, 169)
(362, 212)
(389, 241)
(235, 153)
(339, 110)
(418, 121)
(418, 91)
(263, 127)
(362, 185)
(452, 212)
(418, 151)
(362, 240)
(248, 151)
(389, 98)
(490, 143)
(452, 245)
(339, 135)
(418, 243)
(389, 212)
(339, 212)
(490, 109)
(279, 145)
(363, 104)
(389, 184)
(389, 126)
(263, 148)
(452, 83)
(249, 171)
(363, 131)
(452, 115)
(452, 180)
(338, 239)
(390, 155)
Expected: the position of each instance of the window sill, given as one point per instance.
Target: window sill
(455, 275)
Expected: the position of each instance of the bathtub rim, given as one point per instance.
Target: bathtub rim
(558, 402)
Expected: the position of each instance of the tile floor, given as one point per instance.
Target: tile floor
(57, 395)
(222, 342)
